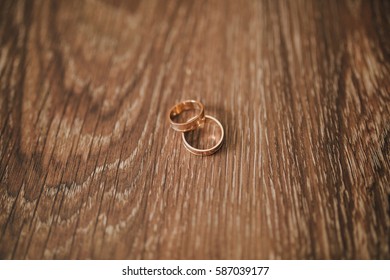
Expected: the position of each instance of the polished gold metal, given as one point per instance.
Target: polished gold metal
(193, 122)
(209, 151)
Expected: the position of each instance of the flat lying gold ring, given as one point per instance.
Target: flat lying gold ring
(209, 151)
(193, 122)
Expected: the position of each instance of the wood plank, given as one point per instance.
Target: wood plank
(89, 167)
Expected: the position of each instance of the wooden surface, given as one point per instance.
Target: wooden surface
(89, 167)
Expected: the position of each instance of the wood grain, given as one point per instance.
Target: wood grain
(89, 168)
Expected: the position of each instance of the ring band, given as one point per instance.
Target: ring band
(209, 151)
(193, 122)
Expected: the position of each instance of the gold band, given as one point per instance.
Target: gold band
(193, 122)
(209, 151)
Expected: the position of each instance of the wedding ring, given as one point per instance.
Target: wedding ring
(207, 151)
(190, 124)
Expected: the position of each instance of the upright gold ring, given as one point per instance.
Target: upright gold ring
(208, 151)
(193, 122)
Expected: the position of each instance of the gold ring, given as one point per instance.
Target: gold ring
(208, 151)
(193, 122)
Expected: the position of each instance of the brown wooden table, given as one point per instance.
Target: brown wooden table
(89, 167)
